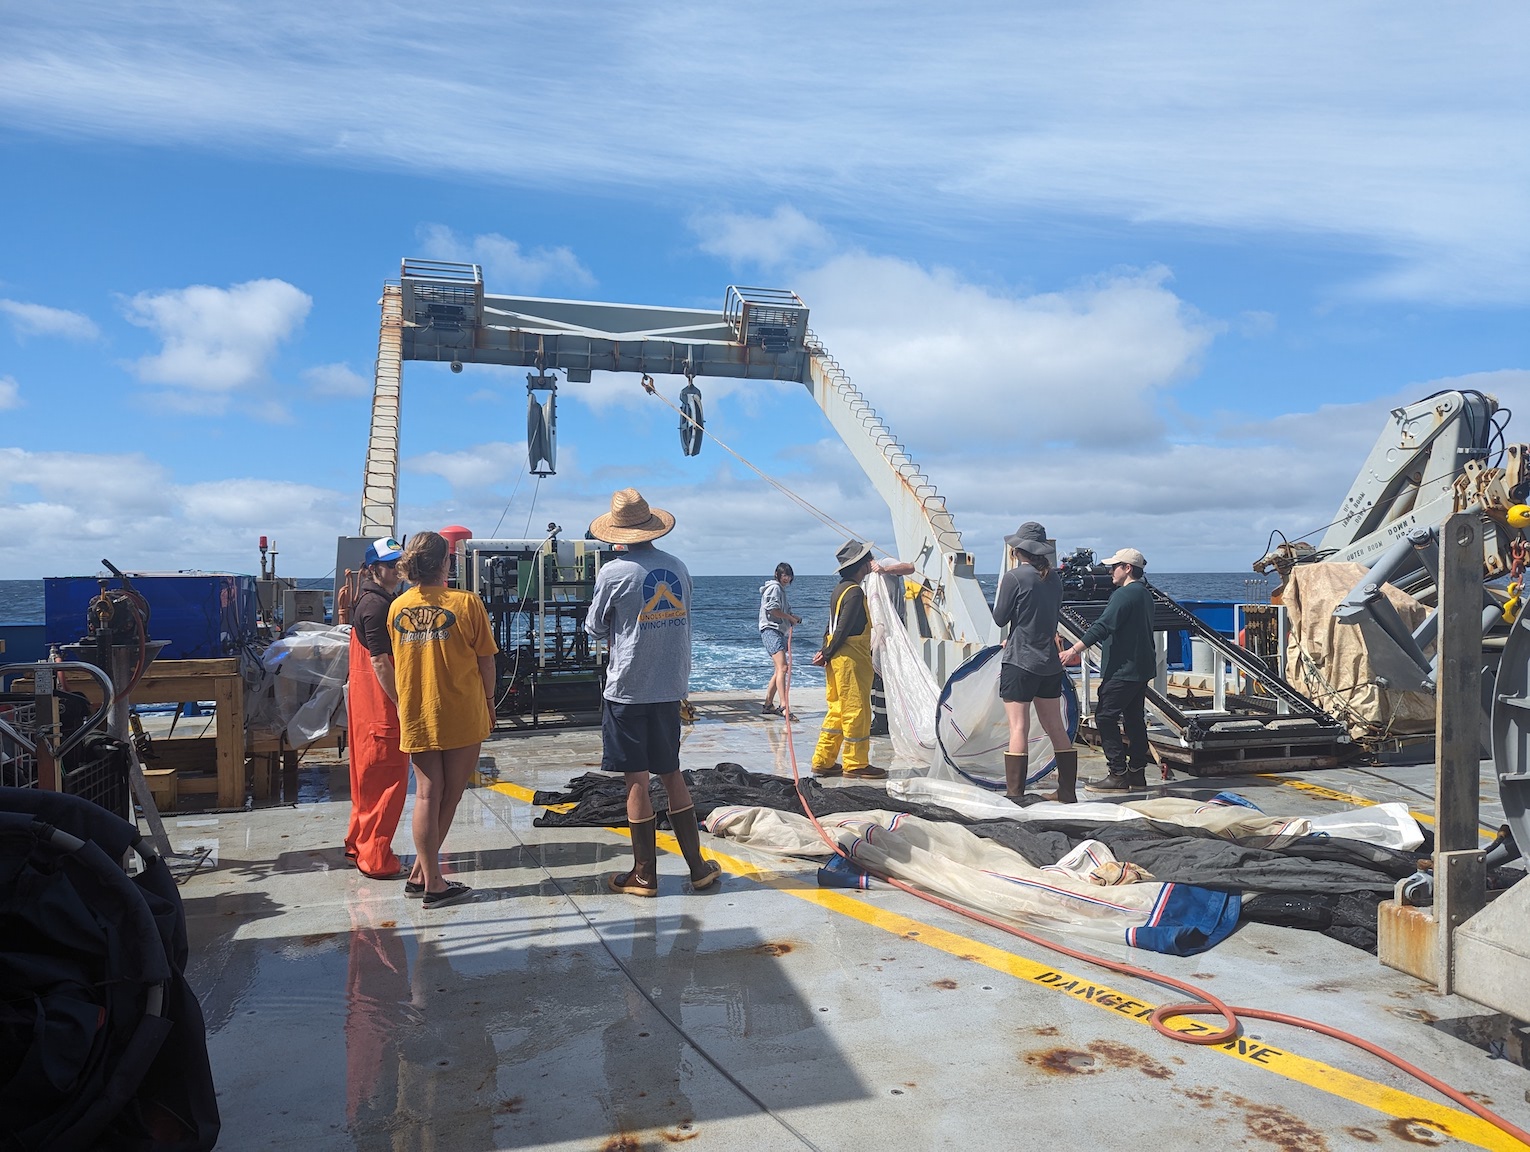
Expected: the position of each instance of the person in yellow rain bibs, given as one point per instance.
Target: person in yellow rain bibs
(846, 660)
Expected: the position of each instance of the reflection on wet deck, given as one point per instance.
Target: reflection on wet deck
(549, 1013)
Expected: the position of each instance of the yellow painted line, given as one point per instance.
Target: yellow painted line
(1351, 798)
(1313, 1073)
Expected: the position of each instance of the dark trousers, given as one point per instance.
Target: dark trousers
(1120, 706)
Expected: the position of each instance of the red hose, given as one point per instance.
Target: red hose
(1203, 1004)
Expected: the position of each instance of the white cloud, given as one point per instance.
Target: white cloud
(337, 380)
(477, 467)
(40, 320)
(1398, 138)
(10, 393)
(62, 511)
(1256, 324)
(506, 268)
(948, 362)
(784, 237)
(216, 341)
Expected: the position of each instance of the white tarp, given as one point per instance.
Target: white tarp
(305, 675)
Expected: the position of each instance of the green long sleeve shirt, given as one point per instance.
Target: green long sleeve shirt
(1124, 632)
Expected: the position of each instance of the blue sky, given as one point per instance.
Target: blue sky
(1149, 273)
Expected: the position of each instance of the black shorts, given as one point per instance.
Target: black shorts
(640, 737)
(1017, 686)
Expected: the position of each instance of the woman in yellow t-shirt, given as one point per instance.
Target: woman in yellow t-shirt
(443, 670)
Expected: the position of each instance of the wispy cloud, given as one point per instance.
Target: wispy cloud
(475, 467)
(784, 237)
(1401, 138)
(40, 320)
(215, 341)
(505, 265)
(10, 393)
(337, 380)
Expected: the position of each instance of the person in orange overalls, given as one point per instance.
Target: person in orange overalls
(846, 660)
(379, 770)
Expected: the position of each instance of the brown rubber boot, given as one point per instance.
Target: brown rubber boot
(704, 872)
(643, 880)
(1067, 778)
(1016, 769)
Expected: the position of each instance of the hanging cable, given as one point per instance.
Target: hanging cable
(495, 534)
(532, 510)
(802, 502)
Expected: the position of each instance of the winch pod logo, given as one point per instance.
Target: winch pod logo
(423, 622)
(663, 597)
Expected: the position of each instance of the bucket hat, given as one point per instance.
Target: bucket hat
(851, 553)
(631, 520)
(1029, 531)
(1038, 546)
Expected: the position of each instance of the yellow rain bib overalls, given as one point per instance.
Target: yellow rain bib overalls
(848, 676)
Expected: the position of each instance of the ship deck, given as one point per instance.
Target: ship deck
(772, 1014)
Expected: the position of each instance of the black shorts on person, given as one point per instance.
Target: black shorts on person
(1017, 686)
(640, 737)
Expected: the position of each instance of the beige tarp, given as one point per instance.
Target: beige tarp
(1326, 661)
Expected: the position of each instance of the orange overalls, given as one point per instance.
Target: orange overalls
(379, 770)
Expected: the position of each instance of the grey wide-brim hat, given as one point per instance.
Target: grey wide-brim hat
(1031, 537)
(851, 553)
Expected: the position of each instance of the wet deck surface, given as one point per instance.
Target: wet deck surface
(771, 1014)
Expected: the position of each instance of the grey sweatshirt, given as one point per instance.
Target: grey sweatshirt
(642, 608)
(773, 598)
(1030, 606)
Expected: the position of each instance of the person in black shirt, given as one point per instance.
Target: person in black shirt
(379, 770)
(1128, 661)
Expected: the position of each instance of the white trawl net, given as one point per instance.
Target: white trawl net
(908, 684)
(959, 732)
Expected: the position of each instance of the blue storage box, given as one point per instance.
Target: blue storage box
(203, 615)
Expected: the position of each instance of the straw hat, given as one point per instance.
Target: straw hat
(631, 520)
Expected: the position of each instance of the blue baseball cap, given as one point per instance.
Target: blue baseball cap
(383, 551)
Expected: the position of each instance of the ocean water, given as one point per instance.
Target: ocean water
(726, 654)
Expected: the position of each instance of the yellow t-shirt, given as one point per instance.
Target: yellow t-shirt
(438, 635)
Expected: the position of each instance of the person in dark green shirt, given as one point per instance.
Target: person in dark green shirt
(1128, 660)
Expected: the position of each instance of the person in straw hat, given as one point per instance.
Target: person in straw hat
(641, 607)
(1029, 600)
(1128, 660)
(846, 660)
